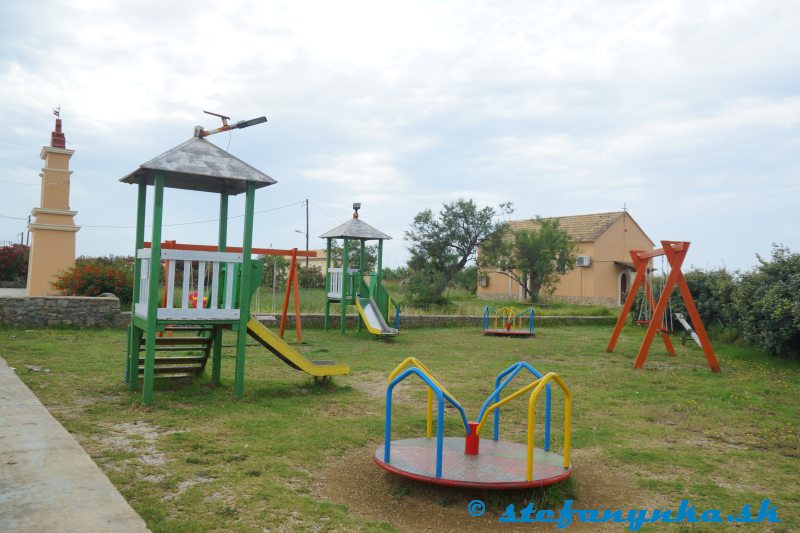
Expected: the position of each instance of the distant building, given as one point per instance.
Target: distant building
(53, 229)
(603, 273)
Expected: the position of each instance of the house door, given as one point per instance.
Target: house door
(623, 287)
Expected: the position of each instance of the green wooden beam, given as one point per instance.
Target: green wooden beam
(134, 333)
(361, 276)
(152, 291)
(216, 357)
(244, 288)
(379, 266)
(327, 285)
(345, 284)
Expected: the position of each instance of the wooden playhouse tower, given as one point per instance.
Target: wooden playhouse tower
(347, 286)
(195, 165)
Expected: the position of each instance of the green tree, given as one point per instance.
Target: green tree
(534, 259)
(444, 243)
(310, 278)
(276, 270)
(768, 305)
(354, 251)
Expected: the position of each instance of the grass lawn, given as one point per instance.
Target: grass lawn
(294, 456)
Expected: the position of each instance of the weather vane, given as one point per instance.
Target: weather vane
(57, 111)
(200, 132)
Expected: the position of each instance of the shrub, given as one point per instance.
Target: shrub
(276, 268)
(712, 292)
(395, 274)
(425, 290)
(14, 262)
(768, 305)
(467, 279)
(92, 276)
(310, 278)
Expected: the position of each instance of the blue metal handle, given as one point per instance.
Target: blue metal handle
(511, 372)
(387, 433)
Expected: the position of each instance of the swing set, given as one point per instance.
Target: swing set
(675, 253)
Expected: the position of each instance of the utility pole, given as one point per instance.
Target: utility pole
(28, 236)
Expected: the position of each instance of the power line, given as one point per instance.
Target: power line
(178, 223)
(315, 206)
(24, 183)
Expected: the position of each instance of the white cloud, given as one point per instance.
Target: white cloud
(562, 107)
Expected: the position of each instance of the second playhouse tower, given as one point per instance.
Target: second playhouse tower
(347, 286)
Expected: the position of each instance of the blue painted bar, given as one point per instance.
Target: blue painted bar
(441, 396)
(501, 384)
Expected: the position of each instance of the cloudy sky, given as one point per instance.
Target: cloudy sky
(687, 113)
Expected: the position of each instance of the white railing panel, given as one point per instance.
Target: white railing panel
(229, 287)
(198, 314)
(201, 284)
(190, 255)
(187, 277)
(214, 310)
(171, 285)
(214, 285)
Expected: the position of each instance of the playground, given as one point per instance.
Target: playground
(295, 455)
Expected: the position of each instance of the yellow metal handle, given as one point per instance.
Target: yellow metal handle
(537, 387)
(413, 361)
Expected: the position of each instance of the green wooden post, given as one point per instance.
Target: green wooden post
(345, 279)
(379, 266)
(134, 333)
(216, 358)
(327, 285)
(244, 288)
(152, 291)
(361, 277)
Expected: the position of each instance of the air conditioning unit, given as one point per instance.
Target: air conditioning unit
(483, 281)
(583, 261)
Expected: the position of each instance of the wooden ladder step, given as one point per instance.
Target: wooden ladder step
(173, 373)
(175, 360)
(180, 341)
(200, 348)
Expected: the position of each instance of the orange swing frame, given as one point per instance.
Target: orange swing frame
(675, 252)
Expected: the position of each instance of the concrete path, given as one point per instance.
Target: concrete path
(47, 481)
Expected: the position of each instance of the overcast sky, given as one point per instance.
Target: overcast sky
(688, 113)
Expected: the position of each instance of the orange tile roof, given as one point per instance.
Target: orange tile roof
(582, 228)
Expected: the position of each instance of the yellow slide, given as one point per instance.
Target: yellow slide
(373, 318)
(290, 356)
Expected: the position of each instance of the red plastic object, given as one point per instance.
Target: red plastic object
(472, 442)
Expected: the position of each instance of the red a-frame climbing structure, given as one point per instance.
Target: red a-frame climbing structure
(675, 252)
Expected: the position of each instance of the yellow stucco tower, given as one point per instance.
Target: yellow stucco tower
(53, 229)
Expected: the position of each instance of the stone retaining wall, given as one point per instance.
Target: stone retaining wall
(49, 311)
(46, 311)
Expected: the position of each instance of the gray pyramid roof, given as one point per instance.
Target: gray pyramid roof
(199, 165)
(354, 228)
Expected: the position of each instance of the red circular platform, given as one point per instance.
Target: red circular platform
(508, 333)
(499, 465)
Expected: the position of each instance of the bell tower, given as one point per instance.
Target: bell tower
(53, 228)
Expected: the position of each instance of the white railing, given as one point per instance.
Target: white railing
(335, 287)
(196, 310)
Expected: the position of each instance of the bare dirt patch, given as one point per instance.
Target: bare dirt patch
(373, 384)
(138, 438)
(355, 481)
